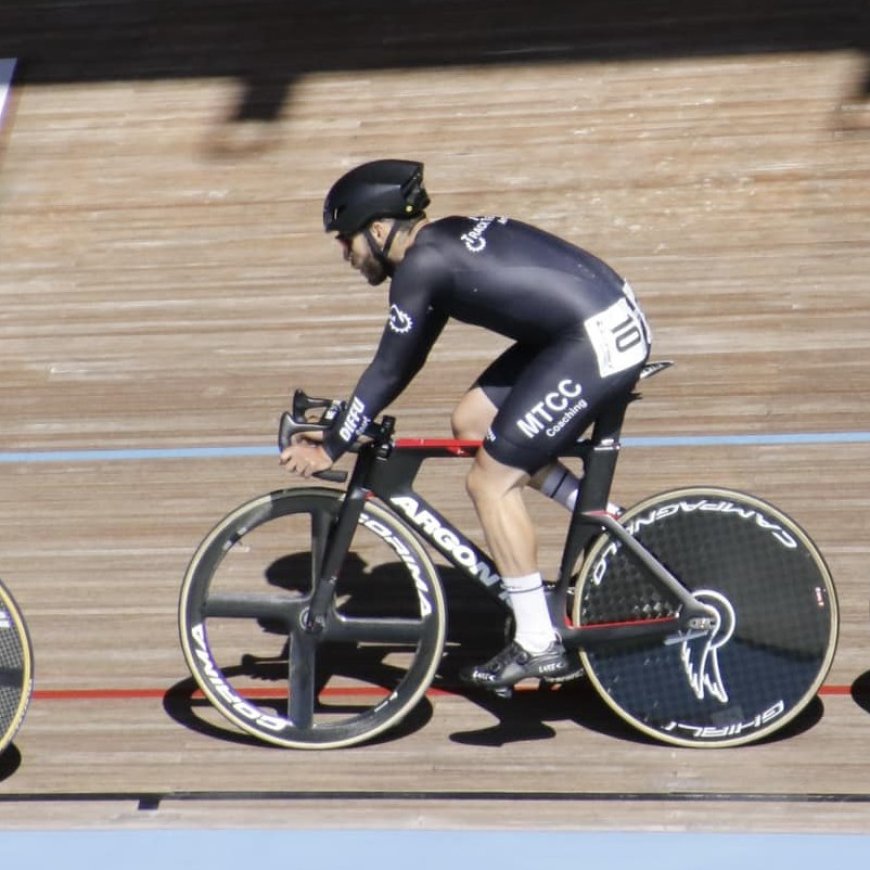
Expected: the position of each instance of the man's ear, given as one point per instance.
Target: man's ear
(380, 229)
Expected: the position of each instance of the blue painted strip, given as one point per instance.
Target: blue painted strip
(140, 454)
(790, 438)
(14, 457)
(426, 850)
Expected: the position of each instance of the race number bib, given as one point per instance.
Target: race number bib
(619, 335)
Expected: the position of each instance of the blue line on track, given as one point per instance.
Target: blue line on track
(14, 457)
(790, 438)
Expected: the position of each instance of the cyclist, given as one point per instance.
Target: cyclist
(580, 340)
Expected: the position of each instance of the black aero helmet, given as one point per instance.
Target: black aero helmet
(382, 188)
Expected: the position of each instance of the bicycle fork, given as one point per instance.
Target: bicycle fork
(337, 541)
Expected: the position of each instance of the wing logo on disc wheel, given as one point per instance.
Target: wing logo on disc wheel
(700, 654)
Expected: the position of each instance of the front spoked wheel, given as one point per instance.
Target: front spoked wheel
(773, 636)
(247, 641)
(16, 668)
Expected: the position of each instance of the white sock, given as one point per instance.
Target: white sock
(534, 630)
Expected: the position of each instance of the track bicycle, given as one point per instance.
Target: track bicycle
(315, 617)
(16, 667)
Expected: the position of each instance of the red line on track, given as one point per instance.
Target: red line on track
(835, 690)
(369, 691)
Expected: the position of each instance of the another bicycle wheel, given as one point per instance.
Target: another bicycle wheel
(16, 668)
(777, 619)
(242, 620)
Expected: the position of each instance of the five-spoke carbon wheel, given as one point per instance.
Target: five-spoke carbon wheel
(245, 632)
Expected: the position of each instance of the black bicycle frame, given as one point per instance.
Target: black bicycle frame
(387, 470)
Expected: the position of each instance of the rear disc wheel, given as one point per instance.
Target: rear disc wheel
(775, 628)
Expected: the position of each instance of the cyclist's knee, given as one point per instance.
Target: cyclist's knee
(466, 426)
(472, 416)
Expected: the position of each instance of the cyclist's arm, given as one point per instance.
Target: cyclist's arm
(412, 327)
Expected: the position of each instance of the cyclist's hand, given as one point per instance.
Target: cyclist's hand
(305, 455)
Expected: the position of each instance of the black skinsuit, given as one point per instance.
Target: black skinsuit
(580, 336)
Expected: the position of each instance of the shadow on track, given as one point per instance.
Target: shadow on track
(267, 45)
(10, 761)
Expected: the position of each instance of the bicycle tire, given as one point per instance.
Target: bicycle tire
(772, 590)
(362, 673)
(16, 668)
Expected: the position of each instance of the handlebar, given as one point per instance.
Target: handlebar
(295, 422)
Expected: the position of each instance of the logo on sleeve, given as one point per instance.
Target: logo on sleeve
(475, 239)
(400, 321)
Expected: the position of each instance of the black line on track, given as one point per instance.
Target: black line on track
(148, 801)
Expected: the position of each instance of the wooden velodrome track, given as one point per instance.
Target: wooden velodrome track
(165, 283)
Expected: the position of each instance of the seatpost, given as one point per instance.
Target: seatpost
(599, 464)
